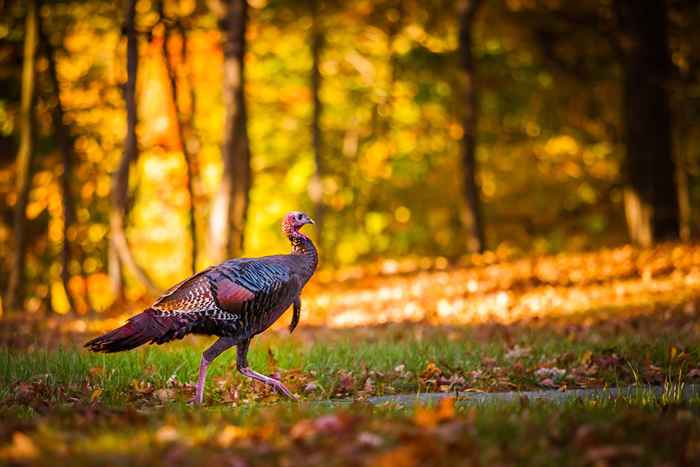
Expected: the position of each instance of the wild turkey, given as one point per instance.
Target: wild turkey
(235, 301)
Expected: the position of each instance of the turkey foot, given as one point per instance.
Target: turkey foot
(246, 371)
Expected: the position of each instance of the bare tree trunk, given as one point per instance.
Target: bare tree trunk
(65, 145)
(316, 186)
(230, 206)
(181, 123)
(25, 154)
(683, 129)
(651, 197)
(120, 179)
(472, 218)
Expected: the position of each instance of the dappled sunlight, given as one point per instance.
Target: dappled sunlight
(608, 284)
(519, 289)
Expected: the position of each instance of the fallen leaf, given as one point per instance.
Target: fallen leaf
(167, 434)
(517, 352)
(368, 439)
(346, 383)
(586, 357)
(402, 456)
(431, 416)
(302, 429)
(431, 371)
(310, 387)
(95, 395)
(548, 382)
(550, 373)
(229, 434)
(164, 394)
(22, 448)
(331, 423)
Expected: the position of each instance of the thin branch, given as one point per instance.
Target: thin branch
(180, 124)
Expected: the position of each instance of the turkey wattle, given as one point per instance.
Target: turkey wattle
(235, 301)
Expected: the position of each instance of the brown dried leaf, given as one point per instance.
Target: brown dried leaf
(164, 394)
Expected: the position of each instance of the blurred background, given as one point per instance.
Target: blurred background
(143, 140)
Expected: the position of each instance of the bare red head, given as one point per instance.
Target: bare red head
(294, 221)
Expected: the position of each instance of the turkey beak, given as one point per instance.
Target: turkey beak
(310, 221)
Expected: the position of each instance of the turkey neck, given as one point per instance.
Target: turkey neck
(303, 247)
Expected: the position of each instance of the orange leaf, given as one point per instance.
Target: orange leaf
(95, 395)
(431, 416)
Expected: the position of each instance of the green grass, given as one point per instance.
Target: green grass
(339, 364)
(63, 403)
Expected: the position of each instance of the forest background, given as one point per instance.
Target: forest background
(143, 140)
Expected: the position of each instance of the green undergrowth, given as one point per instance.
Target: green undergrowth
(350, 365)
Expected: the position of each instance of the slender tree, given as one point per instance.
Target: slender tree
(181, 123)
(120, 179)
(65, 144)
(316, 186)
(651, 196)
(472, 218)
(230, 205)
(25, 155)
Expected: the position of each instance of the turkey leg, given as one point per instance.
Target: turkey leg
(216, 349)
(244, 369)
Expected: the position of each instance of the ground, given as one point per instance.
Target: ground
(608, 318)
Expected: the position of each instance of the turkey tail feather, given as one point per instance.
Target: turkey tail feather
(143, 328)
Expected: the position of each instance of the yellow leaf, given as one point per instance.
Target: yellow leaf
(95, 395)
(586, 357)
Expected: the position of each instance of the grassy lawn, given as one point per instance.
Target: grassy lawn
(58, 401)
(634, 431)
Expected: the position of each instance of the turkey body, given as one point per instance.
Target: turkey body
(274, 286)
(237, 299)
(234, 301)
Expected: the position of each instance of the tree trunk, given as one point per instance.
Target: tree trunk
(471, 218)
(230, 206)
(181, 123)
(316, 186)
(651, 198)
(65, 145)
(15, 295)
(120, 179)
(681, 146)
